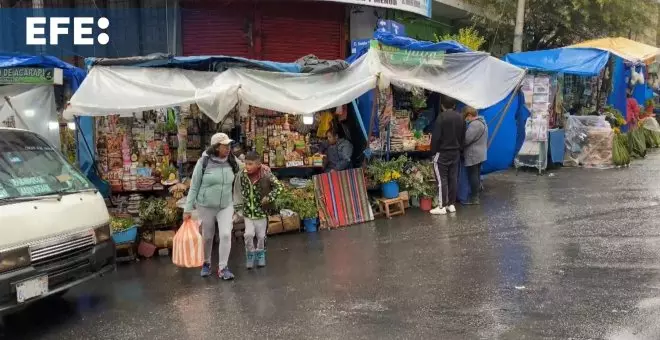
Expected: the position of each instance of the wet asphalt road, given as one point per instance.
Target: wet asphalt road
(574, 255)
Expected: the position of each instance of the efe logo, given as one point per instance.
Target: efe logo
(35, 30)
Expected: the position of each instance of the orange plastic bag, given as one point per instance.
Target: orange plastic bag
(187, 247)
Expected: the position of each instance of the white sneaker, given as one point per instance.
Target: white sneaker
(451, 208)
(438, 211)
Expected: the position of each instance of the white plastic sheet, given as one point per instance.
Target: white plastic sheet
(33, 109)
(588, 142)
(473, 78)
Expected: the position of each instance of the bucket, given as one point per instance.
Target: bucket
(426, 203)
(310, 224)
(125, 236)
(390, 189)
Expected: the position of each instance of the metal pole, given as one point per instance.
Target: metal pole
(520, 22)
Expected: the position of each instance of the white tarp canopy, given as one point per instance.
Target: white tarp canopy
(31, 107)
(475, 79)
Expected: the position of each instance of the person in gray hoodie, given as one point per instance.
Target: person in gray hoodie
(475, 150)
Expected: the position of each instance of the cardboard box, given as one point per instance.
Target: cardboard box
(406, 199)
(275, 225)
(291, 223)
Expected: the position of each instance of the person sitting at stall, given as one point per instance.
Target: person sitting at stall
(474, 151)
(259, 189)
(339, 153)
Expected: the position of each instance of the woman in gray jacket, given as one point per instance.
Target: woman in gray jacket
(474, 151)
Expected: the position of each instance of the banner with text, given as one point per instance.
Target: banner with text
(421, 7)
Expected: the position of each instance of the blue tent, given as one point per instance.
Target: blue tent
(578, 61)
(72, 74)
(505, 119)
(588, 62)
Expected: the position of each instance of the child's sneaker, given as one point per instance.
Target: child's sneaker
(206, 270)
(225, 274)
(261, 258)
(249, 259)
(451, 209)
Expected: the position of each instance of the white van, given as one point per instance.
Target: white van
(54, 226)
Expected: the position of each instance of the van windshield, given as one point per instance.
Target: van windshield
(30, 167)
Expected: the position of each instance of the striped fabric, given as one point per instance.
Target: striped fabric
(187, 246)
(342, 198)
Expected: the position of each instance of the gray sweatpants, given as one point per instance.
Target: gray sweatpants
(225, 219)
(252, 228)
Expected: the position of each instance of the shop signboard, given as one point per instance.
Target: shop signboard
(31, 75)
(398, 56)
(421, 7)
(358, 45)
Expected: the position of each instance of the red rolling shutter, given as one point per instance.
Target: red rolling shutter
(289, 30)
(269, 30)
(216, 30)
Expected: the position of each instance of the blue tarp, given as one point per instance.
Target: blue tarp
(411, 44)
(578, 61)
(617, 97)
(72, 74)
(508, 139)
(198, 63)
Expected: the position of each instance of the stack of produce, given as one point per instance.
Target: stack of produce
(651, 138)
(620, 154)
(637, 143)
(119, 224)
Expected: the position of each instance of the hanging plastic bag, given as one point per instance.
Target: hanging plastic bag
(187, 247)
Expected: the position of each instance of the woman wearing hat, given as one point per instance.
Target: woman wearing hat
(211, 193)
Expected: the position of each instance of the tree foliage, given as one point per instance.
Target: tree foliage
(467, 36)
(557, 23)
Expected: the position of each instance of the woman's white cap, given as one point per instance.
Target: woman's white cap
(220, 138)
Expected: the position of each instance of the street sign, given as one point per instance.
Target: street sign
(31, 75)
(359, 45)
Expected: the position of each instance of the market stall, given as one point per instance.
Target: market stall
(632, 65)
(559, 80)
(405, 109)
(263, 101)
(33, 91)
(573, 94)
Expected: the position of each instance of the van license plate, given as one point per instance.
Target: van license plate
(31, 288)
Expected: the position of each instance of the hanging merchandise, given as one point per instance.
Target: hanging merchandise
(325, 124)
(283, 140)
(533, 153)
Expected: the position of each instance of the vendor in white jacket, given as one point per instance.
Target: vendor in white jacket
(475, 150)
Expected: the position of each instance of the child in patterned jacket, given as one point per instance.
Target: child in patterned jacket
(259, 188)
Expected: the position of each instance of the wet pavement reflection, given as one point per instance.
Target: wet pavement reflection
(574, 255)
